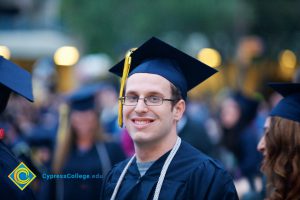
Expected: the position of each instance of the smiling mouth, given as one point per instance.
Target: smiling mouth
(142, 122)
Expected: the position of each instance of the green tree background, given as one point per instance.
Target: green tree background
(110, 25)
(113, 27)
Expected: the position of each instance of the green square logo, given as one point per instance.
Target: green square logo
(22, 176)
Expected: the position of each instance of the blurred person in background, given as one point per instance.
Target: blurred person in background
(13, 79)
(82, 148)
(241, 135)
(280, 145)
(108, 105)
(195, 133)
(91, 69)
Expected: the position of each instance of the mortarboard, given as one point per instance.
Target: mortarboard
(158, 57)
(13, 78)
(289, 106)
(39, 141)
(84, 98)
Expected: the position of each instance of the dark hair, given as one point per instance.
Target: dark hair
(175, 94)
(281, 164)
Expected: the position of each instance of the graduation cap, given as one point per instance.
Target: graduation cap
(84, 98)
(39, 141)
(158, 57)
(289, 106)
(13, 79)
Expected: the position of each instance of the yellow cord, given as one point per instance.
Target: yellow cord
(126, 69)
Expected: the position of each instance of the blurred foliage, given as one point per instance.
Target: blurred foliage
(114, 26)
(277, 22)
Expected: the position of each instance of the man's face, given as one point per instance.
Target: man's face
(149, 124)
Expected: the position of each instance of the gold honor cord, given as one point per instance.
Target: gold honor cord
(126, 69)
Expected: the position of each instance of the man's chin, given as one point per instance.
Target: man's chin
(142, 138)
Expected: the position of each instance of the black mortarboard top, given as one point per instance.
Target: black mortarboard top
(84, 98)
(289, 106)
(158, 57)
(13, 78)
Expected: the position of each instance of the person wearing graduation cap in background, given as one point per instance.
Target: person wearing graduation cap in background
(158, 77)
(82, 147)
(280, 144)
(240, 134)
(12, 79)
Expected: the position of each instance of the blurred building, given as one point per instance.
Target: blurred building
(30, 30)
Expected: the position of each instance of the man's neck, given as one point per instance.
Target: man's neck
(153, 151)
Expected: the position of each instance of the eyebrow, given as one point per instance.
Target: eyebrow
(151, 93)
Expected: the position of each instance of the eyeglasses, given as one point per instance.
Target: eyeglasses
(149, 101)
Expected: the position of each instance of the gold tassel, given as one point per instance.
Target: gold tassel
(126, 69)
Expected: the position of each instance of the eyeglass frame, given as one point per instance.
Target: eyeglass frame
(122, 99)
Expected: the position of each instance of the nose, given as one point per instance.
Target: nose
(141, 107)
(261, 146)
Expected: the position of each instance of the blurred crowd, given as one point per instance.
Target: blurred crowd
(227, 126)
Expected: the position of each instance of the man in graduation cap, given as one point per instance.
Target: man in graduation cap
(280, 144)
(157, 78)
(17, 80)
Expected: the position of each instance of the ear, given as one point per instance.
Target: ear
(179, 109)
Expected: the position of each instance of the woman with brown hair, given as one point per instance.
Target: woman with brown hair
(280, 145)
(84, 154)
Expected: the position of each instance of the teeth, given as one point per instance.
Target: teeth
(141, 122)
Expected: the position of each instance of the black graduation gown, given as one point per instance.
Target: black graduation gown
(84, 163)
(87, 163)
(191, 175)
(8, 190)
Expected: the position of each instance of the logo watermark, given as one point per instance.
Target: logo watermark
(22, 176)
(48, 177)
